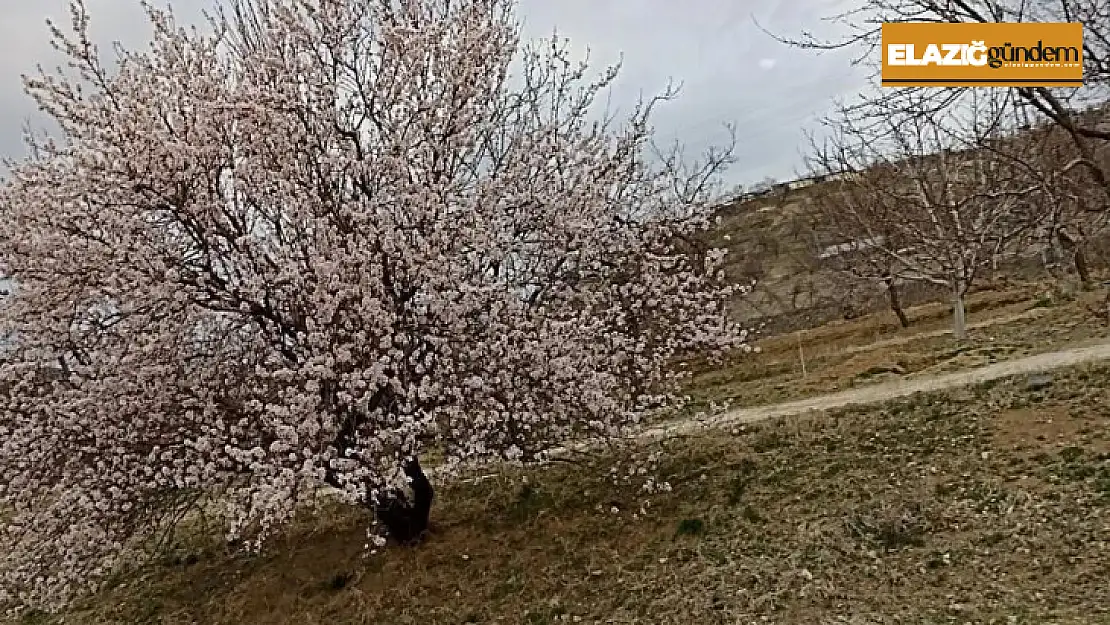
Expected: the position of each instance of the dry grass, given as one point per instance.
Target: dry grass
(841, 355)
(988, 505)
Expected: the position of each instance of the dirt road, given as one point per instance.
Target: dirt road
(870, 394)
(888, 390)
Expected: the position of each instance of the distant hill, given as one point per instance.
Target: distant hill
(775, 239)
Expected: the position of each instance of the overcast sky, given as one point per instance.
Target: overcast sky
(730, 70)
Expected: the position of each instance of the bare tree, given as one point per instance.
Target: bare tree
(1074, 210)
(1062, 107)
(859, 257)
(766, 185)
(1072, 207)
(918, 199)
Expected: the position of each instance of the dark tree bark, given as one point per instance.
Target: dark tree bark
(1075, 246)
(896, 301)
(406, 517)
(1081, 265)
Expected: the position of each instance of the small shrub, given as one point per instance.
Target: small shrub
(891, 532)
(752, 515)
(690, 527)
(1071, 454)
(769, 441)
(339, 581)
(1044, 301)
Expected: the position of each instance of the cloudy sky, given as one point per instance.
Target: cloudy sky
(731, 71)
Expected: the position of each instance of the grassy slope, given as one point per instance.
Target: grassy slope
(990, 505)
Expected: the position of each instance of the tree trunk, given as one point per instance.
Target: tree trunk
(1075, 246)
(404, 517)
(959, 316)
(1057, 252)
(1081, 265)
(896, 301)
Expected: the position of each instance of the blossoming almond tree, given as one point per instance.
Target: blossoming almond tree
(311, 244)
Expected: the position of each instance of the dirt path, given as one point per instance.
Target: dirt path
(889, 390)
(870, 394)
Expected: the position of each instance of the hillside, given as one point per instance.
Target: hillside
(985, 505)
(777, 241)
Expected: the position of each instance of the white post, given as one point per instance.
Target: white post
(801, 354)
(959, 316)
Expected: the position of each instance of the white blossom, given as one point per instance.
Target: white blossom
(264, 266)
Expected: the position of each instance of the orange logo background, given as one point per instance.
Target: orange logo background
(967, 55)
